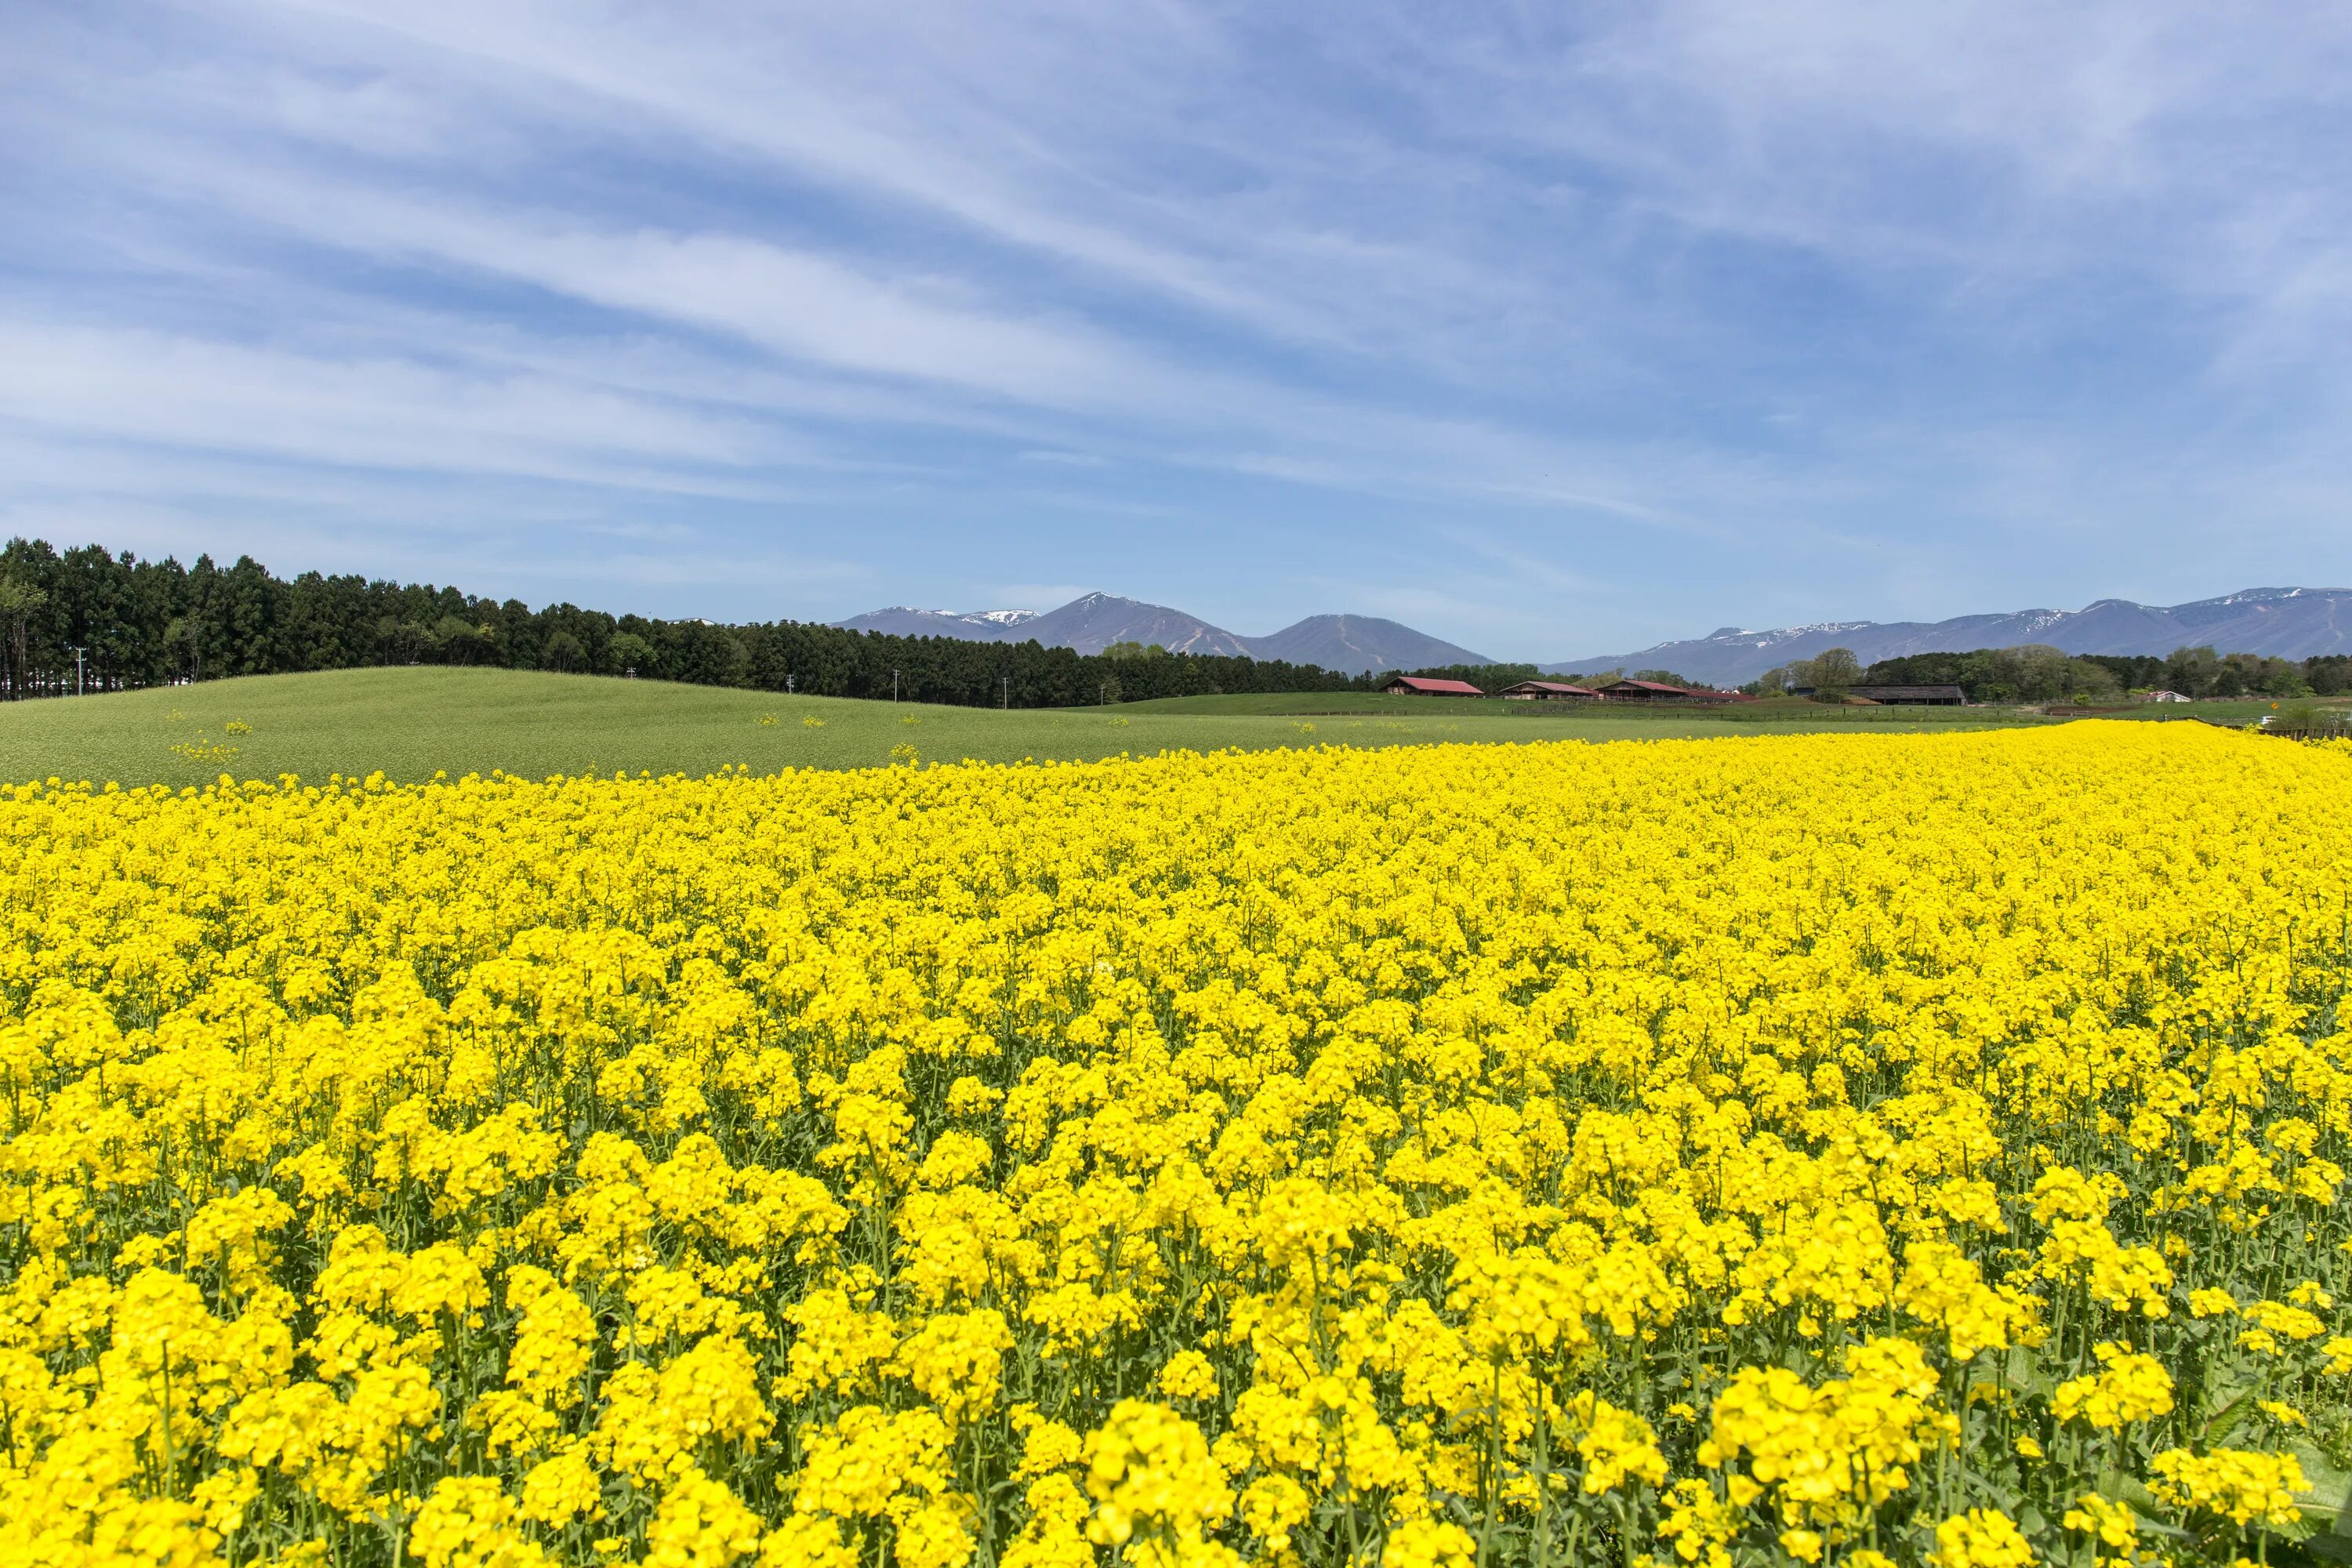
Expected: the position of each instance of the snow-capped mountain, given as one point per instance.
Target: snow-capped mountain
(2290, 623)
(1778, 635)
(1093, 621)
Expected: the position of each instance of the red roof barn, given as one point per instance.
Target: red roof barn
(1422, 685)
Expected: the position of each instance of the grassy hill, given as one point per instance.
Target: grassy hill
(408, 723)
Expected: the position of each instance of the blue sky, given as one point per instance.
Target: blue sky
(1552, 332)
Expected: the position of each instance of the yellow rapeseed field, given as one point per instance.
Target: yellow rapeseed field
(1866, 1151)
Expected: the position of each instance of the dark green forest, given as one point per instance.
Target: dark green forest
(149, 623)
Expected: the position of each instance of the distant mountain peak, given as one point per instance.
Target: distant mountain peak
(1354, 643)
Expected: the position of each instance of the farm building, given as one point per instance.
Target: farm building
(1659, 691)
(2165, 697)
(1911, 696)
(1548, 691)
(1422, 685)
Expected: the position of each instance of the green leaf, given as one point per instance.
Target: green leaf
(2328, 1505)
(2229, 1418)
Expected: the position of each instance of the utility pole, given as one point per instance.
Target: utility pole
(1007, 700)
(77, 653)
(894, 685)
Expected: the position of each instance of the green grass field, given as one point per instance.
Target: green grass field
(409, 723)
(1631, 718)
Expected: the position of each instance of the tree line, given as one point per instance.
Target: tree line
(1493, 678)
(139, 623)
(2040, 673)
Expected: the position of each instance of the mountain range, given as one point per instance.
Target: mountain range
(2288, 623)
(1089, 624)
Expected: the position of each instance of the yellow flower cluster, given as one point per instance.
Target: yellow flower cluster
(1876, 1150)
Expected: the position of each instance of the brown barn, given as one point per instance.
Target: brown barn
(1659, 691)
(1548, 691)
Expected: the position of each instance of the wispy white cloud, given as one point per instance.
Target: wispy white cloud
(179, 391)
(804, 305)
